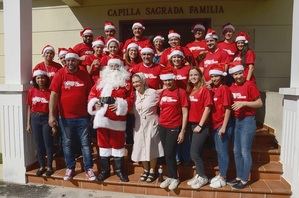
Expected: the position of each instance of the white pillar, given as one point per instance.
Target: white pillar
(16, 144)
(290, 123)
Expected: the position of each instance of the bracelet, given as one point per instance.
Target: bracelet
(199, 125)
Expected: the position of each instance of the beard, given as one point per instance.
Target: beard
(114, 78)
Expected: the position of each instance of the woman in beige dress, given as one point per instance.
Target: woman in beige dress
(147, 146)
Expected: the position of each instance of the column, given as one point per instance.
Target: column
(17, 145)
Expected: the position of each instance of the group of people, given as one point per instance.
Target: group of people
(166, 102)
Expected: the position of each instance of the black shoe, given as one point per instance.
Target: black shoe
(40, 172)
(49, 172)
(233, 182)
(123, 177)
(240, 185)
(103, 175)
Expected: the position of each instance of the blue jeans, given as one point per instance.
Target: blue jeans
(70, 128)
(43, 138)
(221, 145)
(243, 137)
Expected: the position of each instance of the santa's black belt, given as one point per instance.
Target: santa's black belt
(106, 100)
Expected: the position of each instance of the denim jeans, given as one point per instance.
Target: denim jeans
(183, 149)
(221, 145)
(71, 128)
(43, 138)
(243, 137)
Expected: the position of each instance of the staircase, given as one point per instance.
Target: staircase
(265, 182)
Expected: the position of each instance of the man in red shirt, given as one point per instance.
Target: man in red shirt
(69, 91)
(228, 44)
(85, 48)
(110, 100)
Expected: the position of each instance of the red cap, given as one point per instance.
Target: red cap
(99, 41)
(72, 54)
(217, 69)
(46, 48)
(243, 36)
(86, 31)
(173, 33)
(62, 52)
(211, 34)
(138, 24)
(235, 67)
(167, 73)
(108, 25)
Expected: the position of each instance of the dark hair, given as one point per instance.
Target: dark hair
(128, 60)
(243, 54)
(200, 83)
(36, 85)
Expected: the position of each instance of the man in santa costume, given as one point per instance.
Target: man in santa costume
(110, 100)
(85, 48)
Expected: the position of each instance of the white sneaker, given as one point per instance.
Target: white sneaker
(201, 181)
(214, 179)
(174, 184)
(220, 182)
(166, 183)
(193, 180)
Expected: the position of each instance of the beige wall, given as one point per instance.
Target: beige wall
(269, 23)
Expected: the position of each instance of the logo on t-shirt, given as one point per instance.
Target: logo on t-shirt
(180, 77)
(193, 99)
(229, 51)
(238, 96)
(151, 76)
(69, 84)
(209, 62)
(196, 48)
(237, 59)
(168, 99)
(39, 99)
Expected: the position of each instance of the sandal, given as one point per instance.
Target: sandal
(144, 176)
(151, 177)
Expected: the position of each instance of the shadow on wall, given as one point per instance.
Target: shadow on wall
(261, 112)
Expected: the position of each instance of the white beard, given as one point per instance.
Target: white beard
(113, 78)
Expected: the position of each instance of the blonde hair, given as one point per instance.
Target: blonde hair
(199, 84)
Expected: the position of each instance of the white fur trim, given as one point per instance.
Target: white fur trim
(114, 61)
(158, 37)
(39, 73)
(72, 55)
(167, 76)
(62, 53)
(112, 40)
(109, 27)
(48, 48)
(230, 26)
(241, 38)
(132, 45)
(97, 42)
(176, 52)
(147, 50)
(122, 107)
(105, 152)
(211, 36)
(90, 105)
(137, 24)
(87, 32)
(100, 121)
(174, 34)
(217, 72)
(235, 69)
(118, 152)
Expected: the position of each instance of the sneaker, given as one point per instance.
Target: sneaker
(174, 184)
(166, 183)
(49, 172)
(69, 173)
(201, 181)
(240, 185)
(40, 171)
(193, 180)
(214, 179)
(90, 175)
(220, 182)
(233, 182)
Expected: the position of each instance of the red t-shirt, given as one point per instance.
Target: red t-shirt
(230, 48)
(73, 90)
(143, 42)
(198, 101)
(245, 92)
(249, 60)
(222, 98)
(83, 49)
(196, 47)
(95, 71)
(151, 73)
(171, 103)
(187, 53)
(50, 69)
(182, 76)
(38, 100)
(218, 56)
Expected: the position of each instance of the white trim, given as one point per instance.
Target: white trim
(39, 73)
(138, 25)
(241, 38)
(212, 36)
(72, 55)
(62, 53)
(147, 50)
(167, 76)
(87, 32)
(132, 45)
(158, 37)
(105, 152)
(100, 121)
(235, 69)
(97, 42)
(122, 107)
(174, 34)
(109, 27)
(48, 48)
(118, 152)
(90, 105)
(217, 72)
(176, 52)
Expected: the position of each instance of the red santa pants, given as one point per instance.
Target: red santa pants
(108, 138)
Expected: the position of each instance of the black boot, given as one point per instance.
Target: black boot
(105, 169)
(119, 169)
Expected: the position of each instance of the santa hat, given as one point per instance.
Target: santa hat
(112, 40)
(108, 25)
(115, 61)
(98, 41)
(235, 67)
(147, 50)
(217, 69)
(242, 36)
(198, 27)
(138, 25)
(39, 73)
(211, 34)
(228, 26)
(62, 52)
(172, 33)
(167, 74)
(158, 37)
(176, 52)
(46, 48)
(86, 31)
(132, 45)
(71, 54)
